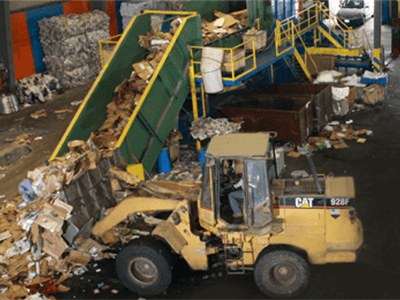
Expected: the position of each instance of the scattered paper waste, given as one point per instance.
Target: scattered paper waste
(334, 134)
(361, 140)
(223, 24)
(39, 114)
(77, 102)
(21, 138)
(328, 76)
(19, 119)
(293, 154)
(61, 111)
(204, 128)
(304, 149)
(36, 88)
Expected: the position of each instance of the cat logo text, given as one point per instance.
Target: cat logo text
(304, 202)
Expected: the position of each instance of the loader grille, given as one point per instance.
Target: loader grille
(306, 187)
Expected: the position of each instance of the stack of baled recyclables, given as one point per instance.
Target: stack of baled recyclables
(70, 45)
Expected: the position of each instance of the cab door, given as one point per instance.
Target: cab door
(206, 205)
(258, 194)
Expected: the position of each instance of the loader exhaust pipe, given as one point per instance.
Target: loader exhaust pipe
(314, 173)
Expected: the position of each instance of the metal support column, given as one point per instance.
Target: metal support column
(6, 48)
(99, 4)
(377, 64)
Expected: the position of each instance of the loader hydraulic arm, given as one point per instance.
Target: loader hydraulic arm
(131, 206)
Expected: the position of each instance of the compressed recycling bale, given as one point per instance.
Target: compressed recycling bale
(130, 9)
(70, 44)
(77, 76)
(73, 44)
(61, 27)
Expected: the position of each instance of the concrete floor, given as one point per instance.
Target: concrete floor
(374, 166)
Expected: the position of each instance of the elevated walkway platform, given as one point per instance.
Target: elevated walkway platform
(291, 34)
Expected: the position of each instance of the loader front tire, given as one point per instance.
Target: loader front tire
(145, 269)
(281, 274)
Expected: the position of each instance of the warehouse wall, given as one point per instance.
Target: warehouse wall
(18, 5)
(28, 53)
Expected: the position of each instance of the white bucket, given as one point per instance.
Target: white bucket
(211, 62)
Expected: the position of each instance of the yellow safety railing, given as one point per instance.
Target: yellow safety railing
(284, 37)
(307, 57)
(287, 41)
(303, 21)
(310, 18)
(351, 38)
(104, 52)
(232, 64)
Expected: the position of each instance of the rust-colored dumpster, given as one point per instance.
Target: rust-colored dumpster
(290, 117)
(320, 93)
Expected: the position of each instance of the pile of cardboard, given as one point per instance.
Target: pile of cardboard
(32, 241)
(337, 133)
(32, 248)
(33, 245)
(36, 256)
(223, 24)
(333, 135)
(128, 94)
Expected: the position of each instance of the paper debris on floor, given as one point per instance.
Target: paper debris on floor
(20, 138)
(328, 76)
(293, 154)
(336, 133)
(204, 128)
(61, 111)
(39, 114)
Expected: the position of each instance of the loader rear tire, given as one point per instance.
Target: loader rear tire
(281, 274)
(145, 269)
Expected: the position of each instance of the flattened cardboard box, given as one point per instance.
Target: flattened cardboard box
(109, 237)
(53, 244)
(78, 258)
(143, 69)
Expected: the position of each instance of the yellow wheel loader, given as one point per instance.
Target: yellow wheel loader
(286, 223)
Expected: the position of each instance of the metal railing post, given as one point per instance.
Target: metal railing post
(232, 65)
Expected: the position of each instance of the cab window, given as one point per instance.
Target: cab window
(257, 183)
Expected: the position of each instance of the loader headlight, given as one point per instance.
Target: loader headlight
(175, 217)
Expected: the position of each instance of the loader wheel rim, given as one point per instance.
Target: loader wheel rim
(285, 274)
(143, 271)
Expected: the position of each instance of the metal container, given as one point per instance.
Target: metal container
(291, 117)
(320, 93)
(8, 104)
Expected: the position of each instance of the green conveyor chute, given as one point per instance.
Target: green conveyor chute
(158, 109)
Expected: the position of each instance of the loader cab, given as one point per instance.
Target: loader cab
(229, 158)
